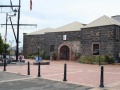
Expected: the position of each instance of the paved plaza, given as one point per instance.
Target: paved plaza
(9, 81)
(77, 74)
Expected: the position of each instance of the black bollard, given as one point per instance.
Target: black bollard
(102, 77)
(28, 68)
(39, 70)
(4, 65)
(65, 70)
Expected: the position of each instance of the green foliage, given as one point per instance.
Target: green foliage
(47, 58)
(87, 59)
(3, 45)
(110, 60)
(42, 54)
(31, 56)
(53, 55)
(76, 54)
(104, 59)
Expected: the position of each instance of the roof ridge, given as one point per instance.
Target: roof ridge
(108, 18)
(102, 21)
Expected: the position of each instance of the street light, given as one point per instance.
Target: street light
(15, 11)
(100, 47)
(38, 47)
(38, 51)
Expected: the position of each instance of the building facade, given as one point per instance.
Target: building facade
(101, 36)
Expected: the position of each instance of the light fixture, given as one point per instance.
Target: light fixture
(15, 10)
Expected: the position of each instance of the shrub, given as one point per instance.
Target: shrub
(32, 57)
(54, 55)
(90, 60)
(82, 59)
(104, 59)
(76, 54)
(86, 59)
(42, 54)
(47, 57)
(28, 57)
(110, 60)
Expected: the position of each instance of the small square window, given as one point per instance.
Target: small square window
(64, 37)
(52, 48)
(95, 49)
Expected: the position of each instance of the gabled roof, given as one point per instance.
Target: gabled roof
(75, 26)
(42, 31)
(102, 21)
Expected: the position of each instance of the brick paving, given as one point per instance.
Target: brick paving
(82, 74)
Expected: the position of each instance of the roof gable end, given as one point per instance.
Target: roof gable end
(102, 21)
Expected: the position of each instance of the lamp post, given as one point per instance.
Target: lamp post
(38, 51)
(38, 47)
(4, 56)
(100, 48)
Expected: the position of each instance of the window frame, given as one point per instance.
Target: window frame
(93, 47)
(52, 48)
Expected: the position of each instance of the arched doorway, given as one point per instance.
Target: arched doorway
(64, 52)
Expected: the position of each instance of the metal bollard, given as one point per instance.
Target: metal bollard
(65, 70)
(4, 65)
(102, 77)
(39, 70)
(28, 68)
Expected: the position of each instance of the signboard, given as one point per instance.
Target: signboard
(40, 59)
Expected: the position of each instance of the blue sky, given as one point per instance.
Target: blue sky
(55, 13)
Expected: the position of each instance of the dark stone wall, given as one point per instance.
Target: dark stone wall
(56, 38)
(104, 35)
(84, 39)
(45, 40)
(31, 43)
(117, 42)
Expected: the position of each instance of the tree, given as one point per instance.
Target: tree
(3, 45)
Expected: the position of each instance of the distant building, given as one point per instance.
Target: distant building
(101, 36)
(117, 17)
(13, 50)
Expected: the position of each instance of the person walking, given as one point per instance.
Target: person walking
(20, 57)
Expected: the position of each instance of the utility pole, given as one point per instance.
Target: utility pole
(17, 46)
(5, 44)
(18, 24)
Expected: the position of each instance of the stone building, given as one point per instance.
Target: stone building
(101, 36)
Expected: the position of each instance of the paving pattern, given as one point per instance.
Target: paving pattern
(81, 74)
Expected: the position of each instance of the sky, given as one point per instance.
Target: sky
(54, 14)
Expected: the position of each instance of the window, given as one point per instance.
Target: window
(95, 49)
(64, 37)
(51, 48)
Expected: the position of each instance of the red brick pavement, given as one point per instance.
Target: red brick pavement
(83, 74)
